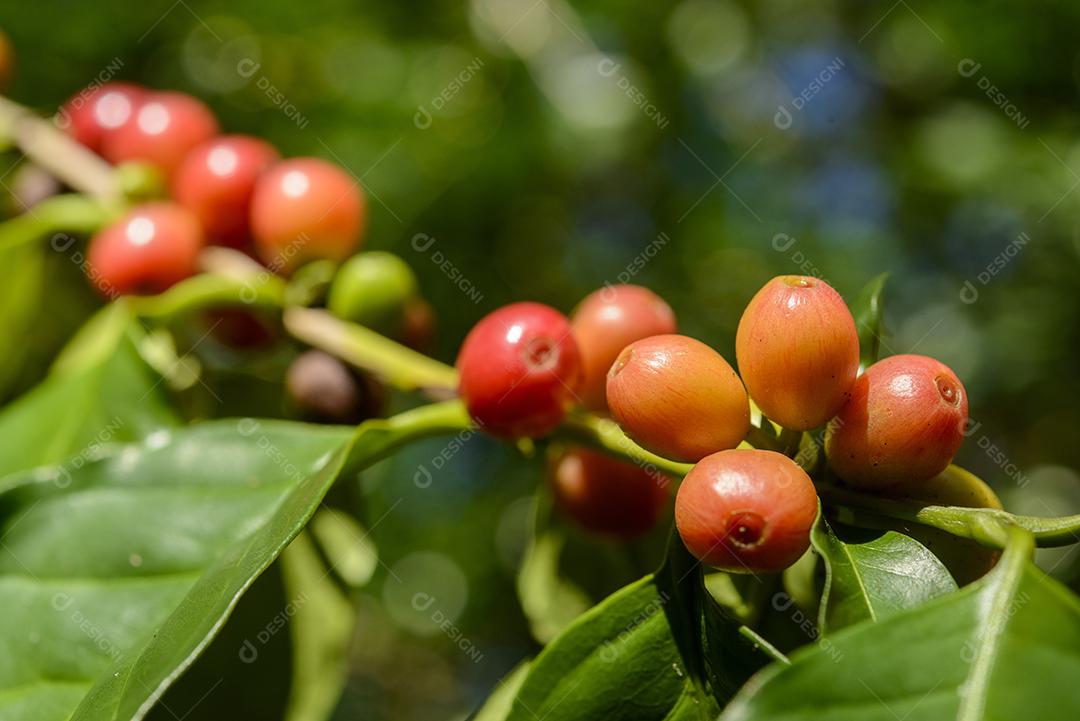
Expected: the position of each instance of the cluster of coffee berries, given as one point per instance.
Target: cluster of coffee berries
(523, 366)
(236, 191)
(232, 190)
(739, 509)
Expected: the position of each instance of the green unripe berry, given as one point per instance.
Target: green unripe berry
(374, 290)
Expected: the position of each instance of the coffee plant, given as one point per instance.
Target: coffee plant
(823, 557)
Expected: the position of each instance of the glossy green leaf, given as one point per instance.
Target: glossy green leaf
(869, 312)
(874, 578)
(1005, 647)
(719, 653)
(660, 648)
(100, 393)
(114, 578)
(618, 661)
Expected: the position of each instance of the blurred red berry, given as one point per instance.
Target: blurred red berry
(905, 422)
(746, 511)
(163, 129)
(608, 496)
(607, 321)
(240, 328)
(215, 181)
(798, 351)
(678, 397)
(7, 62)
(520, 370)
(419, 330)
(306, 209)
(149, 249)
(94, 112)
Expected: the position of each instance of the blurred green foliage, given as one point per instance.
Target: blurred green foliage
(514, 150)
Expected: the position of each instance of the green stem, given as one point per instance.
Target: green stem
(758, 640)
(605, 435)
(399, 366)
(205, 291)
(433, 419)
(71, 213)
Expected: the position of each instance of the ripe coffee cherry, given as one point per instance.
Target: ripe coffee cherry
(608, 496)
(905, 421)
(216, 180)
(678, 397)
(798, 351)
(149, 249)
(607, 321)
(306, 209)
(746, 511)
(373, 289)
(322, 389)
(93, 113)
(162, 130)
(520, 370)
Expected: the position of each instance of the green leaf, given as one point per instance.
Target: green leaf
(501, 701)
(875, 578)
(868, 309)
(321, 627)
(718, 652)
(1005, 647)
(566, 568)
(617, 662)
(660, 648)
(100, 393)
(116, 579)
(549, 600)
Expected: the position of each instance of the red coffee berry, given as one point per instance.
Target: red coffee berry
(94, 112)
(520, 370)
(215, 181)
(163, 129)
(306, 209)
(746, 511)
(149, 249)
(608, 496)
(905, 421)
(798, 351)
(678, 397)
(607, 321)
